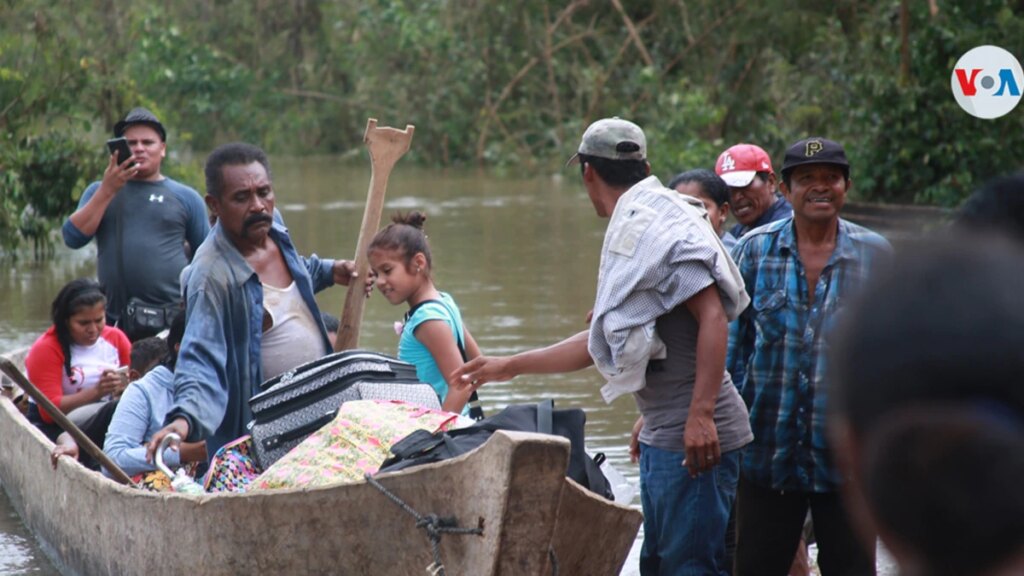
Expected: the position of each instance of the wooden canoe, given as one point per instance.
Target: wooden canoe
(534, 520)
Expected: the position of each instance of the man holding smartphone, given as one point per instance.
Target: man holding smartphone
(146, 227)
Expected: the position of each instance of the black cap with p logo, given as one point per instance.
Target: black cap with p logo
(815, 150)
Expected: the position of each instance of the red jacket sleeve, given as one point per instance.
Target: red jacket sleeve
(45, 368)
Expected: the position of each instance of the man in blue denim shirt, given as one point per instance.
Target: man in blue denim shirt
(222, 358)
(799, 272)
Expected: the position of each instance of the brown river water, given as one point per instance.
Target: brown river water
(518, 254)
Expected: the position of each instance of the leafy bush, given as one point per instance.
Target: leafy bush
(42, 180)
(513, 86)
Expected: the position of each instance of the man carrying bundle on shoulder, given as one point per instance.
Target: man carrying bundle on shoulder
(666, 291)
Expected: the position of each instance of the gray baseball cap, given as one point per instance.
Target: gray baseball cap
(614, 139)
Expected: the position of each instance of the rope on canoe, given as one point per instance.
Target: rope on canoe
(435, 526)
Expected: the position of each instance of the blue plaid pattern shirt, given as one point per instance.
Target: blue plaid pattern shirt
(778, 346)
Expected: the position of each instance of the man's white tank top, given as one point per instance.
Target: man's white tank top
(293, 337)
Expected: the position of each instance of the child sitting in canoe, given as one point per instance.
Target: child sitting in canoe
(141, 412)
(432, 336)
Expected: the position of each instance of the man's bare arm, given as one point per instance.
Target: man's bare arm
(87, 218)
(700, 438)
(568, 355)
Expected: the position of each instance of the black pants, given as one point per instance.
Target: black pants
(95, 428)
(769, 525)
(50, 429)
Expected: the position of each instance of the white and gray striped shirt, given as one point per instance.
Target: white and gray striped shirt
(659, 251)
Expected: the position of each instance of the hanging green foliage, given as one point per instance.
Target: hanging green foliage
(510, 86)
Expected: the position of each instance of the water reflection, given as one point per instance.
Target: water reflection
(19, 553)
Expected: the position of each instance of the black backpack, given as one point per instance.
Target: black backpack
(422, 447)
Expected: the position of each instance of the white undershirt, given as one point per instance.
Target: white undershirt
(294, 336)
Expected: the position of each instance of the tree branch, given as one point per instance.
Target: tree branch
(491, 111)
(708, 30)
(599, 85)
(633, 33)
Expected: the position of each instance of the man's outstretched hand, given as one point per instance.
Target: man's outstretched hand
(481, 370)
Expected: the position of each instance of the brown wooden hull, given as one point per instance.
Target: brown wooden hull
(513, 486)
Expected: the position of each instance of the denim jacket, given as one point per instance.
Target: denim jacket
(219, 366)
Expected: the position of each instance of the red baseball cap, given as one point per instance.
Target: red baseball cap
(738, 165)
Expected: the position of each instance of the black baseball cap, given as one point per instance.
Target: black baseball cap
(815, 150)
(140, 115)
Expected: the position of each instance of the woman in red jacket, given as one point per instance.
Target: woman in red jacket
(74, 363)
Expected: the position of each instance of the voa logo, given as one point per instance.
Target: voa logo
(987, 82)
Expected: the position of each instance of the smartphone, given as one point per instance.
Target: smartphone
(120, 370)
(121, 148)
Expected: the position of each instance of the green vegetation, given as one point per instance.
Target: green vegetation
(506, 85)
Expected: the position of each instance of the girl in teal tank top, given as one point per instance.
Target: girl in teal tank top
(432, 337)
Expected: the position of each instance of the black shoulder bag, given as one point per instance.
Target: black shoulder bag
(476, 412)
(423, 447)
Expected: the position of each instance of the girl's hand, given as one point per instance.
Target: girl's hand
(371, 281)
(122, 381)
(111, 383)
(700, 440)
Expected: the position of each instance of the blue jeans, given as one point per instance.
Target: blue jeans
(685, 518)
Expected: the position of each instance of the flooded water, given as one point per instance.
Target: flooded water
(518, 254)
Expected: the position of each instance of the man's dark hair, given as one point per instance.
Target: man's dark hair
(711, 184)
(232, 154)
(147, 352)
(174, 336)
(997, 205)
(617, 173)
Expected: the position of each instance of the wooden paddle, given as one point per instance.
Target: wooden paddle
(386, 146)
(12, 372)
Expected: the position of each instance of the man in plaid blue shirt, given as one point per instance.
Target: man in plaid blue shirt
(799, 272)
